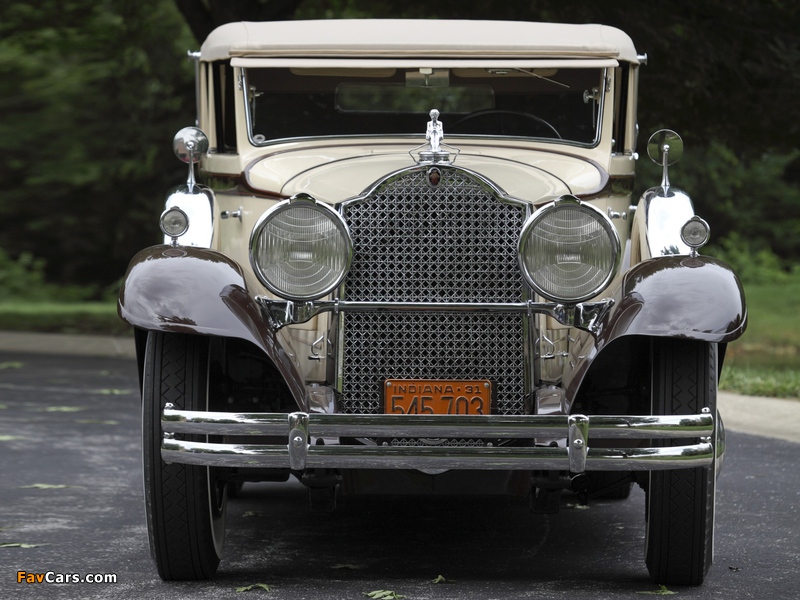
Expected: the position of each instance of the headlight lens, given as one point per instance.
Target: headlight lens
(695, 233)
(569, 251)
(174, 222)
(301, 249)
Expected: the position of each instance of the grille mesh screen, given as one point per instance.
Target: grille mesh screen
(412, 243)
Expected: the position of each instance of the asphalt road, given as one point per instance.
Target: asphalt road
(73, 422)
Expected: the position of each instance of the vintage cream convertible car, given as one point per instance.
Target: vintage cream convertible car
(411, 263)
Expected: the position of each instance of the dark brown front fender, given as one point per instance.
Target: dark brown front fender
(674, 296)
(678, 296)
(199, 291)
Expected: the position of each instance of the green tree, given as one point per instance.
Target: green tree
(203, 16)
(89, 93)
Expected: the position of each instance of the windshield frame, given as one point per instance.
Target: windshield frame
(242, 65)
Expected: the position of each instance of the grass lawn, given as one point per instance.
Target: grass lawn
(765, 361)
(55, 317)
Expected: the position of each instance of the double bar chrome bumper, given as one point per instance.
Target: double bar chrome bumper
(578, 455)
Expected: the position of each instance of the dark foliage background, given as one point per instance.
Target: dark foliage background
(91, 92)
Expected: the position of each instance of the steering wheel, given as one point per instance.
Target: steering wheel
(499, 112)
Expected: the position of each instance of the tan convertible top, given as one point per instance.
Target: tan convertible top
(385, 38)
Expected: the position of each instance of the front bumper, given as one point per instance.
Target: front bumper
(299, 453)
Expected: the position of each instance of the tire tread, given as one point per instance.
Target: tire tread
(681, 511)
(176, 495)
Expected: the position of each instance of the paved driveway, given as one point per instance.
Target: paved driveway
(71, 504)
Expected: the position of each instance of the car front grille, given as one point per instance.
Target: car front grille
(412, 242)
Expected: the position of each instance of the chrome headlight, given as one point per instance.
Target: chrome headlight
(569, 251)
(695, 233)
(174, 223)
(301, 249)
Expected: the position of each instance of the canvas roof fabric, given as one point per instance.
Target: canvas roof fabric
(422, 38)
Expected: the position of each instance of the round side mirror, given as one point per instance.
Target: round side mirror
(665, 140)
(190, 144)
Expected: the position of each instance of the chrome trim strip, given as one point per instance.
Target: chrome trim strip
(299, 454)
(585, 315)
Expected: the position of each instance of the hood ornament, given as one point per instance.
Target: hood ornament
(435, 131)
(434, 151)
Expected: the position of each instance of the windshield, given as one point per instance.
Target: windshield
(553, 103)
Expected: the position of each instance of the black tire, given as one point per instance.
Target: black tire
(609, 485)
(680, 503)
(184, 504)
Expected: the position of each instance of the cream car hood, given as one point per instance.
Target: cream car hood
(332, 174)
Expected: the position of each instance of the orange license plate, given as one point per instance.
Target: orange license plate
(437, 397)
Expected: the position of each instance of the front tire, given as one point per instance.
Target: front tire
(184, 504)
(680, 503)
(609, 485)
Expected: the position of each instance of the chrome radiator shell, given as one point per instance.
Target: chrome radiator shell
(414, 241)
